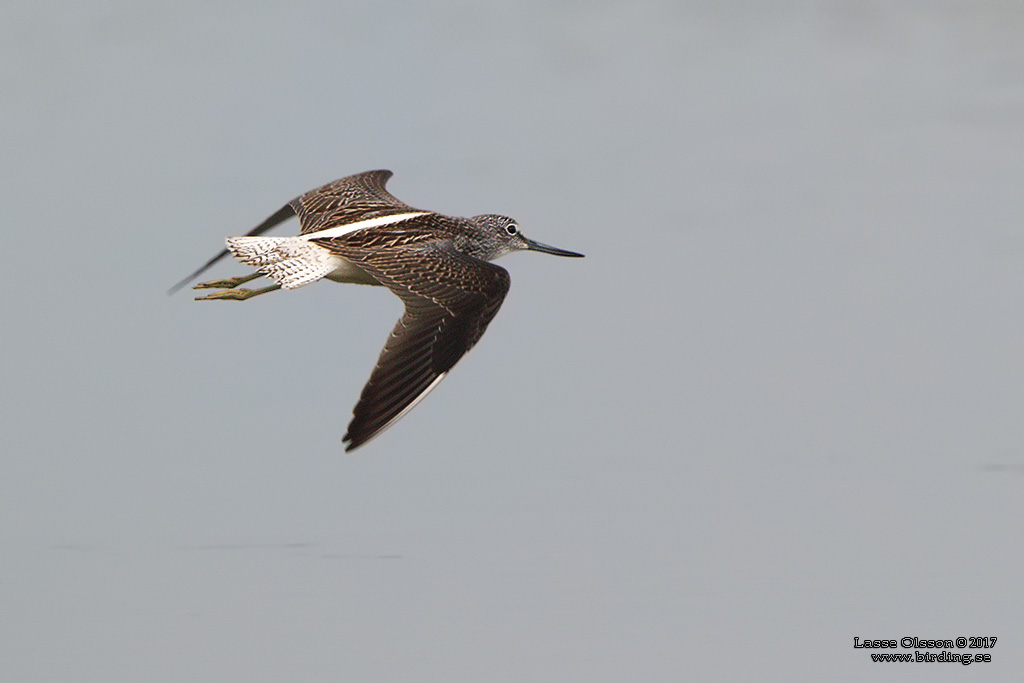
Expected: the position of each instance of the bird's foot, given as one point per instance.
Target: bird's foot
(237, 294)
(229, 283)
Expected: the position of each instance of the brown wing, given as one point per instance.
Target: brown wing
(355, 198)
(449, 300)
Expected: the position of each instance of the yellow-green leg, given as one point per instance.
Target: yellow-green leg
(230, 283)
(238, 294)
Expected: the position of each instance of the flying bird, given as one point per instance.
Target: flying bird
(354, 230)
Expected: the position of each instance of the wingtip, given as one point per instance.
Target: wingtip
(178, 287)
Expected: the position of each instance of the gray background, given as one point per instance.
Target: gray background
(777, 406)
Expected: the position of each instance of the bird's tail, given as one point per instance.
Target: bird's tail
(289, 261)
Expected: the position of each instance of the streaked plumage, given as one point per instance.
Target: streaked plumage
(354, 230)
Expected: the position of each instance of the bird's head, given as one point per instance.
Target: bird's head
(500, 235)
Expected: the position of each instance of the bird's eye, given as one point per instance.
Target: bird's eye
(511, 228)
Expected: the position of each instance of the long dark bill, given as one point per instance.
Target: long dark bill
(547, 249)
